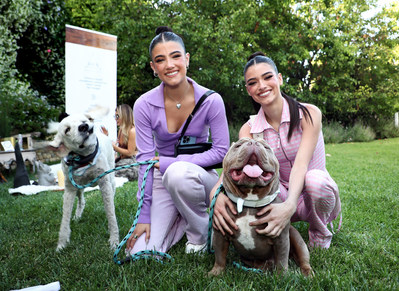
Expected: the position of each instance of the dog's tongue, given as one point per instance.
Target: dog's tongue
(253, 171)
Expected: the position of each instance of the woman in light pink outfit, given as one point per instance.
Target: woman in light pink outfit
(293, 130)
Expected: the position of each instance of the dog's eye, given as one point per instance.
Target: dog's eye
(67, 130)
(91, 119)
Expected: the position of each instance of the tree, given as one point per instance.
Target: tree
(328, 53)
(41, 50)
(22, 108)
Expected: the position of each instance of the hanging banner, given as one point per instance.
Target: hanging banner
(90, 73)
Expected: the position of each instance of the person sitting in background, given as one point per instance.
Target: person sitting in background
(125, 146)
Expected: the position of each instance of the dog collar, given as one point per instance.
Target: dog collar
(252, 203)
(81, 163)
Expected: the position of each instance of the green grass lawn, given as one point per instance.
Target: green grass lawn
(363, 256)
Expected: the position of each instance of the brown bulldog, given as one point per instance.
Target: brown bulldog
(251, 180)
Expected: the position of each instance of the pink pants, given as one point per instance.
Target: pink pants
(318, 204)
(180, 199)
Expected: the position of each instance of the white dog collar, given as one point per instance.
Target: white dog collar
(252, 203)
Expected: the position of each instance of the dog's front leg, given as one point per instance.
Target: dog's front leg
(221, 246)
(80, 206)
(281, 250)
(65, 229)
(109, 206)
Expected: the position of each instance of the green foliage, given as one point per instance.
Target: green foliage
(328, 53)
(335, 132)
(24, 108)
(385, 128)
(41, 50)
(363, 255)
(360, 133)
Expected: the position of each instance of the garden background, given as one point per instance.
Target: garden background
(334, 54)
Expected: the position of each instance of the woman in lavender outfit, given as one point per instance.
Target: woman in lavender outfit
(177, 188)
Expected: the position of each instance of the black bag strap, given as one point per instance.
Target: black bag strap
(206, 94)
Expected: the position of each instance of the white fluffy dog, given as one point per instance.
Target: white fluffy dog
(90, 155)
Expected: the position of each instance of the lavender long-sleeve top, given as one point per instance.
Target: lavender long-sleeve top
(152, 135)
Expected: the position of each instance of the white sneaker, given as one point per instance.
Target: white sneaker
(192, 248)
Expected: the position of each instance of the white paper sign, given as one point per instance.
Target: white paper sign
(90, 74)
(7, 146)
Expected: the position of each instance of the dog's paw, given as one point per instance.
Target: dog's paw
(216, 271)
(77, 216)
(60, 247)
(113, 243)
(307, 271)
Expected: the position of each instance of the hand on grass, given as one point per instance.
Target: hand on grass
(140, 229)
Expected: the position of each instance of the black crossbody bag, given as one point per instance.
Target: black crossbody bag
(195, 148)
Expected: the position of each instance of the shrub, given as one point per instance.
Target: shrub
(360, 133)
(334, 132)
(234, 129)
(29, 74)
(385, 128)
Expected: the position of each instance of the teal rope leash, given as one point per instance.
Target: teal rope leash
(241, 267)
(209, 242)
(142, 254)
(71, 168)
(152, 253)
(211, 210)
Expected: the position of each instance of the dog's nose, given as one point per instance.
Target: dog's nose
(83, 127)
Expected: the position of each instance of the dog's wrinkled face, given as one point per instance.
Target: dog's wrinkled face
(250, 169)
(75, 133)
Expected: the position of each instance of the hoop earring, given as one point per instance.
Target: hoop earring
(155, 75)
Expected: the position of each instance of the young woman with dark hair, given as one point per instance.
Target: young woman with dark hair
(293, 130)
(177, 190)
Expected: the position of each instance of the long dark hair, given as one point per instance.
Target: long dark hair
(294, 105)
(164, 34)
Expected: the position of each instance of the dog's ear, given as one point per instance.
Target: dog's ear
(57, 141)
(52, 127)
(56, 145)
(62, 116)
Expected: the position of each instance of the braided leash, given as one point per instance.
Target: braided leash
(211, 210)
(142, 254)
(209, 242)
(241, 267)
(71, 168)
(152, 253)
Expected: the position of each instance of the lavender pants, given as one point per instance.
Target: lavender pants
(180, 199)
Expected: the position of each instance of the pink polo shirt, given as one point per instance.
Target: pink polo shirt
(286, 151)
